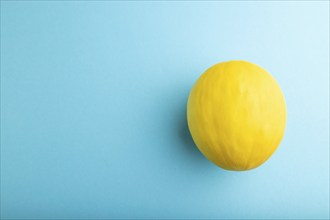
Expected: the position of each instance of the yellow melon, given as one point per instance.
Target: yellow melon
(236, 115)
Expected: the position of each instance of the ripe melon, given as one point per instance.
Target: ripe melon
(236, 115)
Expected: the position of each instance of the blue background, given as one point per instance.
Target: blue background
(93, 102)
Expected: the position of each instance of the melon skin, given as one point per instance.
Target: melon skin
(236, 115)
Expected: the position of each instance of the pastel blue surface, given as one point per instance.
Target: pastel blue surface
(93, 102)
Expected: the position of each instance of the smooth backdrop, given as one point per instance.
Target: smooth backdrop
(93, 104)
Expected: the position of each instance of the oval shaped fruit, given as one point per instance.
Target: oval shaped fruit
(236, 115)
